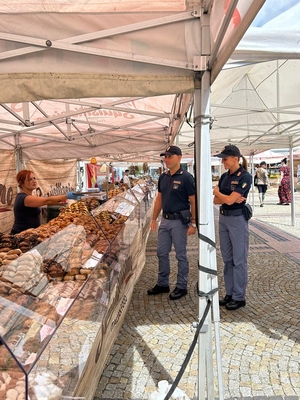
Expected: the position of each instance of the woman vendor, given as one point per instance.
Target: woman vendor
(27, 206)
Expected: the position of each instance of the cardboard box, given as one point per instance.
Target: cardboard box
(107, 186)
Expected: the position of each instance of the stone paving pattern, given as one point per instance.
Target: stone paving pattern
(260, 343)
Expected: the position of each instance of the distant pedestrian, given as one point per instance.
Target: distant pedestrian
(126, 179)
(284, 190)
(231, 193)
(295, 182)
(262, 181)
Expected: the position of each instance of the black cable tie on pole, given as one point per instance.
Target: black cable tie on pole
(207, 270)
(207, 240)
(208, 294)
(189, 353)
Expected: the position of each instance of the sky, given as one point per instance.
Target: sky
(271, 9)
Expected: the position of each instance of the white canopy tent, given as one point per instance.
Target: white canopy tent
(133, 62)
(270, 156)
(260, 106)
(257, 106)
(115, 79)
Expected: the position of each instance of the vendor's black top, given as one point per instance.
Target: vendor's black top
(25, 217)
(175, 190)
(240, 182)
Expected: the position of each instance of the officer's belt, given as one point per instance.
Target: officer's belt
(172, 216)
(236, 212)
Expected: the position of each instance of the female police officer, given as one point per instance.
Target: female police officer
(231, 193)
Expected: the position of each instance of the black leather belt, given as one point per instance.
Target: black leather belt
(239, 211)
(172, 216)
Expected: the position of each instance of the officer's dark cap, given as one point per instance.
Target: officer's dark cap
(229, 151)
(172, 150)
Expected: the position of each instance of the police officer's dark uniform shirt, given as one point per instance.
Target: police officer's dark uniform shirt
(25, 217)
(175, 190)
(240, 182)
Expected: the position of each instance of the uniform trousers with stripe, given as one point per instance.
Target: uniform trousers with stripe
(234, 245)
(172, 231)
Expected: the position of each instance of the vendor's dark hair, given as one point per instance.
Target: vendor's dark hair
(284, 160)
(263, 163)
(126, 170)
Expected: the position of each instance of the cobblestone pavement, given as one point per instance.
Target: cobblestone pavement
(260, 343)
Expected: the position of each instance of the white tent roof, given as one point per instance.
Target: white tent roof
(280, 39)
(257, 106)
(270, 156)
(261, 107)
(127, 69)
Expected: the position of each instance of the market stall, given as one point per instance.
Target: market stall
(64, 291)
(116, 79)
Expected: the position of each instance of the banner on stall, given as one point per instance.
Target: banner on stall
(95, 174)
(8, 189)
(53, 178)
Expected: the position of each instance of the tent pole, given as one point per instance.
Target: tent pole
(207, 280)
(79, 181)
(251, 158)
(278, 95)
(293, 214)
(251, 162)
(18, 154)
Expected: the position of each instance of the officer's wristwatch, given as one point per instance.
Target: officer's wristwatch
(194, 225)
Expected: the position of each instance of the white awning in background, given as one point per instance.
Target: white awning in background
(112, 79)
(257, 106)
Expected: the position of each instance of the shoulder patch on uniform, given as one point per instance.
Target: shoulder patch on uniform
(244, 185)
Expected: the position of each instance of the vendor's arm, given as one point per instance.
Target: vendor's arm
(34, 201)
(156, 211)
(220, 198)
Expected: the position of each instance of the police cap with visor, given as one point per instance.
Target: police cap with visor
(229, 151)
(171, 150)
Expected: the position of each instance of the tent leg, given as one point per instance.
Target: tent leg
(293, 213)
(18, 155)
(251, 160)
(207, 281)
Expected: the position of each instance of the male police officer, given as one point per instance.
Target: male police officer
(176, 197)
